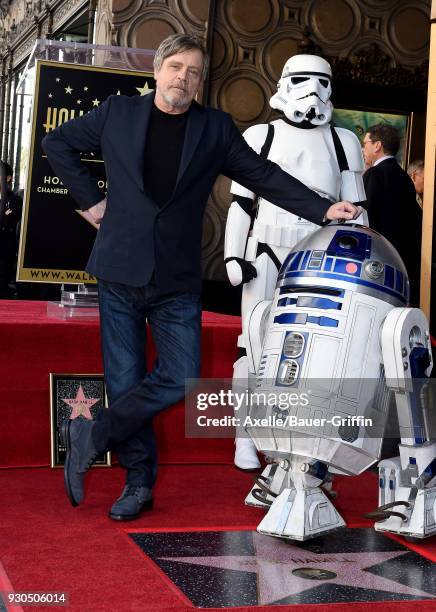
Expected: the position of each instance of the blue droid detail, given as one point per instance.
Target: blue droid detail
(349, 256)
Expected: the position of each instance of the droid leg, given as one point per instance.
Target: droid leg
(303, 511)
(407, 493)
(274, 479)
(268, 485)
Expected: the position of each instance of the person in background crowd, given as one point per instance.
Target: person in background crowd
(391, 200)
(10, 217)
(416, 172)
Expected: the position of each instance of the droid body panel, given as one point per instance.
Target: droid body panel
(336, 323)
(323, 340)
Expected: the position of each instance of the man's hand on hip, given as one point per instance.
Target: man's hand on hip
(97, 211)
(342, 210)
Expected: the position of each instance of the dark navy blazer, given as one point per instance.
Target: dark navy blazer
(394, 212)
(136, 237)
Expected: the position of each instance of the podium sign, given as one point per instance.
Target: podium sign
(56, 240)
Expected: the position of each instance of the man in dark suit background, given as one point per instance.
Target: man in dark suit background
(391, 201)
(162, 153)
(10, 217)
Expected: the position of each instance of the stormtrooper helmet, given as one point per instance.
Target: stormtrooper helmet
(304, 90)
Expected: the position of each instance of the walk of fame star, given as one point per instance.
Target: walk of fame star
(144, 90)
(247, 568)
(80, 404)
(275, 561)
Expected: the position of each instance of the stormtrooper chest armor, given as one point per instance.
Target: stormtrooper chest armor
(309, 156)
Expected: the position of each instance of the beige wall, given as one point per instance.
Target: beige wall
(428, 241)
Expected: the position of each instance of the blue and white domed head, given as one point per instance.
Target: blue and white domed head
(347, 256)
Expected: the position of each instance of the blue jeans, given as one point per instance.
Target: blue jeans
(136, 395)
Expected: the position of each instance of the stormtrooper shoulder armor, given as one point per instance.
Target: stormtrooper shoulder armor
(352, 147)
(255, 136)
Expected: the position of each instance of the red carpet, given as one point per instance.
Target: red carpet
(46, 545)
(32, 346)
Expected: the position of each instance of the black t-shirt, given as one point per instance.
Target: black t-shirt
(163, 150)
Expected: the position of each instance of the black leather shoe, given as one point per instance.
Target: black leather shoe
(132, 502)
(76, 436)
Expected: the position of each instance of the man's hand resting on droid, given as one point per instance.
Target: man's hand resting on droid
(342, 210)
(239, 270)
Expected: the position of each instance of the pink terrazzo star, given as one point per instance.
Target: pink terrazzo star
(80, 404)
(275, 561)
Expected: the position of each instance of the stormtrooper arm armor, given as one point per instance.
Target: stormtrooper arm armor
(352, 188)
(237, 229)
(239, 220)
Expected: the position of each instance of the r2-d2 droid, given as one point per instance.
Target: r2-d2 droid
(336, 341)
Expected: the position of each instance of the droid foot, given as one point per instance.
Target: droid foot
(300, 514)
(408, 509)
(415, 518)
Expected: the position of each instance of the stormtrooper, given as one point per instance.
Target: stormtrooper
(326, 159)
(337, 343)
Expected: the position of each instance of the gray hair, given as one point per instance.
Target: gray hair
(415, 166)
(177, 43)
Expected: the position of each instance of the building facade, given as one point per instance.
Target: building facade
(378, 50)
